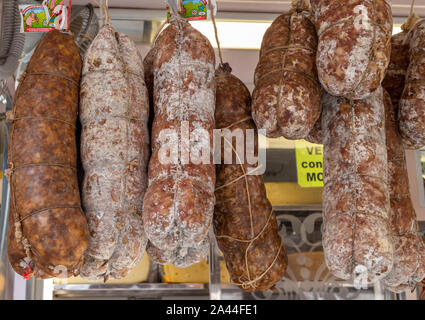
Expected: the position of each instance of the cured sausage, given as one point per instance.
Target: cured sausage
(180, 257)
(396, 72)
(114, 112)
(354, 45)
(356, 235)
(286, 98)
(244, 222)
(179, 203)
(408, 245)
(411, 114)
(316, 134)
(48, 231)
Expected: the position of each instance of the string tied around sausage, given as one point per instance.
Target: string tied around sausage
(411, 20)
(12, 168)
(126, 70)
(236, 123)
(161, 27)
(11, 117)
(246, 281)
(243, 176)
(212, 8)
(300, 6)
(52, 74)
(18, 228)
(131, 165)
(106, 18)
(9, 171)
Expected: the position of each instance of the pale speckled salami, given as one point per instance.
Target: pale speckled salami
(408, 248)
(179, 203)
(354, 45)
(356, 235)
(181, 257)
(411, 114)
(114, 113)
(286, 98)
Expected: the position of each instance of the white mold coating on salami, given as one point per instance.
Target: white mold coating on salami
(286, 98)
(114, 113)
(354, 45)
(179, 203)
(408, 245)
(412, 102)
(355, 196)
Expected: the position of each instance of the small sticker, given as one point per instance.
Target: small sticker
(195, 9)
(51, 15)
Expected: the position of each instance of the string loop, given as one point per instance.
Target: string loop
(246, 281)
(212, 8)
(411, 20)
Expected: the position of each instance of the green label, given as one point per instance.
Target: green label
(192, 10)
(309, 164)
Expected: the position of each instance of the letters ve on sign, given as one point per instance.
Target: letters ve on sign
(309, 164)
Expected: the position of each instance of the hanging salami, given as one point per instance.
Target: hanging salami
(179, 203)
(356, 234)
(354, 45)
(114, 112)
(409, 253)
(48, 232)
(396, 72)
(411, 114)
(286, 98)
(244, 222)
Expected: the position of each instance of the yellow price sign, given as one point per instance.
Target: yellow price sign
(309, 164)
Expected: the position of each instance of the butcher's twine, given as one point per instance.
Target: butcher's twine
(246, 281)
(46, 73)
(412, 20)
(106, 18)
(300, 6)
(215, 30)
